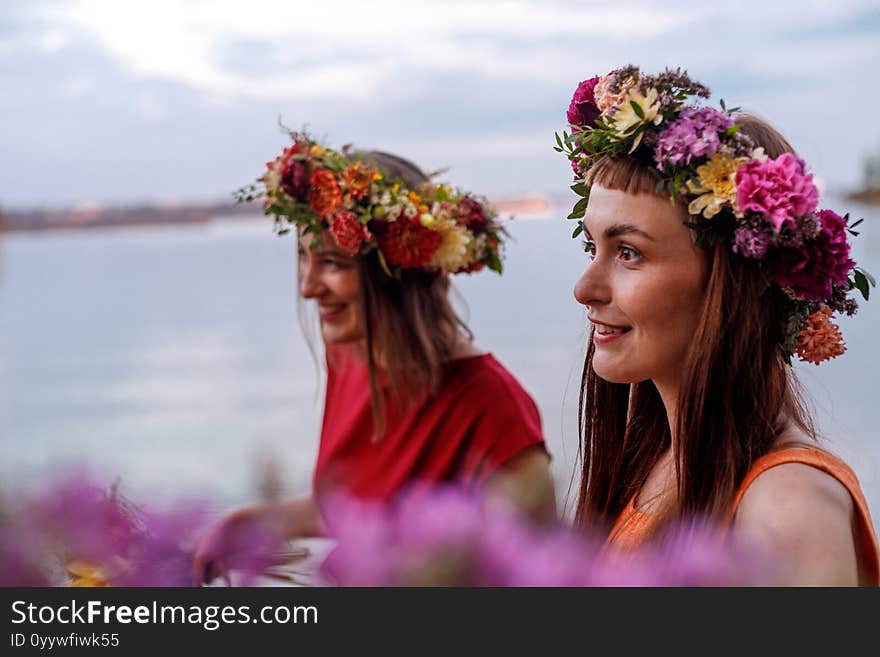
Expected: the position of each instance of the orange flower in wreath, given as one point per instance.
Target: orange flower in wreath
(356, 180)
(325, 195)
(821, 339)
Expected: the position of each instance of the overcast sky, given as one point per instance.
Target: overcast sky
(113, 101)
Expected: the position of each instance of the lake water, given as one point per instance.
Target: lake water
(172, 357)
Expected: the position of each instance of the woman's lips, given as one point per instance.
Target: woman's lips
(605, 333)
(605, 338)
(330, 313)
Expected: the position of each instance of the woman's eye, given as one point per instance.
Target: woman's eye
(589, 248)
(628, 254)
(337, 263)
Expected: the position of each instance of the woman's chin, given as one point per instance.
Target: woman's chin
(612, 374)
(336, 335)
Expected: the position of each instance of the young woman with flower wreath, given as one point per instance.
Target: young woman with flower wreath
(710, 267)
(410, 399)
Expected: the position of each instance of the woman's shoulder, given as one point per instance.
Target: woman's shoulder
(797, 472)
(794, 485)
(483, 371)
(480, 387)
(799, 502)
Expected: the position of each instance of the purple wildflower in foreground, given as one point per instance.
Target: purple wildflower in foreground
(81, 519)
(18, 563)
(80, 533)
(450, 539)
(439, 537)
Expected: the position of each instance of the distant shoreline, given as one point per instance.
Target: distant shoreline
(146, 215)
(870, 196)
(113, 217)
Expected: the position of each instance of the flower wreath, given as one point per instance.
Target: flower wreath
(433, 228)
(765, 208)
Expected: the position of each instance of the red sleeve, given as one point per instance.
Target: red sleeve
(504, 422)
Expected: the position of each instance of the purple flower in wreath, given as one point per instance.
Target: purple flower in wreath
(695, 134)
(751, 242)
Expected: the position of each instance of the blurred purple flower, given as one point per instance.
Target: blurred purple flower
(363, 534)
(19, 565)
(97, 537)
(161, 554)
(82, 518)
(448, 538)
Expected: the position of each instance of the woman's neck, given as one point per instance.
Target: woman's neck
(463, 347)
(658, 492)
(668, 391)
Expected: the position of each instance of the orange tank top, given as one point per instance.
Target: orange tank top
(632, 527)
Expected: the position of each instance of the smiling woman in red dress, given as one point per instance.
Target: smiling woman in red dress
(410, 399)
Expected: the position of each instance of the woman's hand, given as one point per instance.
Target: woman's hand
(219, 548)
(242, 537)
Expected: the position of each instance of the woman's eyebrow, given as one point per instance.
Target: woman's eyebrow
(323, 253)
(626, 229)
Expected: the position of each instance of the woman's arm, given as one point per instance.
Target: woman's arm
(526, 482)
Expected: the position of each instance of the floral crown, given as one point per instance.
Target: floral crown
(765, 208)
(433, 228)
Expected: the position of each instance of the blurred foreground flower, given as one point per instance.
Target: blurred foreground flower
(445, 538)
(78, 533)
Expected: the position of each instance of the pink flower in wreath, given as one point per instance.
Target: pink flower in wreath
(604, 95)
(779, 189)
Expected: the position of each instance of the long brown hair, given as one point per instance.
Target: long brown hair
(737, 394)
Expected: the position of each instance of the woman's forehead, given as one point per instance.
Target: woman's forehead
(609, 209)
(325, 245)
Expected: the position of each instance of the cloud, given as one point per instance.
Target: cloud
(138, 100)
(340, 49)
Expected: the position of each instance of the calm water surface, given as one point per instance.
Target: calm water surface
(172, 357)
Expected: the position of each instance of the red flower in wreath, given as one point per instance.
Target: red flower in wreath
(348, 231)
(294, 174)
(408, 244)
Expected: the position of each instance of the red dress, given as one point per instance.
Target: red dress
(480, 418)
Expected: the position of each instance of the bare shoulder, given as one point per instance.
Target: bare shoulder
(806, 515)
(789, 487)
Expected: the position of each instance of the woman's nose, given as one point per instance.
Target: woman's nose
(591, 288)
(310, 285)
